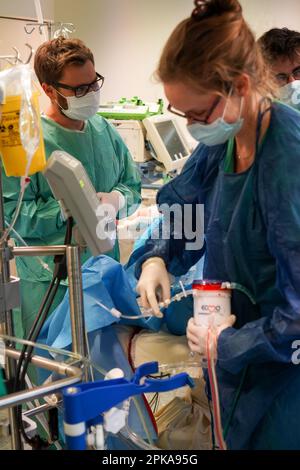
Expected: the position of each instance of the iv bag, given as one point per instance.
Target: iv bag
(21, 140)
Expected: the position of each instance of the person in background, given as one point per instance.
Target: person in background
(66, 71)
(281, 49)
(245, 172)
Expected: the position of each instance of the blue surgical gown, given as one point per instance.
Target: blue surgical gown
(252, 237)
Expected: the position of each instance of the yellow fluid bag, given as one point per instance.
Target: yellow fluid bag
(12, 152)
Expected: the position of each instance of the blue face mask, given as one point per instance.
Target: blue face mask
(219, 131)
(290, 94)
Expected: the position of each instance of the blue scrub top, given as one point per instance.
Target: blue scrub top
(252, 237)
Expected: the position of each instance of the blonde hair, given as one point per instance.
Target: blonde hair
(213, 47)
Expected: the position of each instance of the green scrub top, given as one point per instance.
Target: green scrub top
(2, 385)
(109, 166)
(230, 153)
(229, 158)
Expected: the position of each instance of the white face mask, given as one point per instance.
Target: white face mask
(219, 131)
(290, 94)
(81, 108)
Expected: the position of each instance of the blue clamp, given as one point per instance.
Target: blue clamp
(86, 402)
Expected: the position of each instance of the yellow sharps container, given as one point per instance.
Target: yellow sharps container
(12, 152)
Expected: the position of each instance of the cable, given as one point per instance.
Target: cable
(210, 348)
(89, 355)
(27, 352)
(54, 288)
(42, 263)
(53, 292)
(24, 183)
(60, 273)
(147, 312)
(31, 334)
(235, 402)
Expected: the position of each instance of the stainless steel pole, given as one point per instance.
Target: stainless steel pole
(7, 325)
(79, 345)
(73, 375)
(38, 250)
(39, 410)
(18, 398)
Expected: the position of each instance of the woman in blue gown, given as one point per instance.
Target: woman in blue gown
(245, 172)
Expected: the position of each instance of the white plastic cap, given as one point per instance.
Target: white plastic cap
(114, 420)
(114, 374)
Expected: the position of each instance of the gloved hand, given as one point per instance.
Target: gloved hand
(115, 199)
(154, 285)
(197, 335)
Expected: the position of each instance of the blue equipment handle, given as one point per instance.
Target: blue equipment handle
(87, 401)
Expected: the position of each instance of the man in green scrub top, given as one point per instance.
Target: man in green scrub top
(66, 71)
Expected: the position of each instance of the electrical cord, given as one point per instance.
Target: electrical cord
(211, 348)
(31, 334)
(27, 352)
(35, 441)
(60, 273)
(18, 236)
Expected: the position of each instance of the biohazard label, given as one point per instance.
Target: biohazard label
(9, 129)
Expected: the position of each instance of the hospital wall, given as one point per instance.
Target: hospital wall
(26, 9)
(263, 15)
(12, 32)
(127, 36)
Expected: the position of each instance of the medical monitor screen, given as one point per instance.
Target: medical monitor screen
(171, 139)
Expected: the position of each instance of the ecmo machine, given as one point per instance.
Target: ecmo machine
(148, 133)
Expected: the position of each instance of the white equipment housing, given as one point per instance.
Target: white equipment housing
(169, 143)
(72, 187)
(133, 134)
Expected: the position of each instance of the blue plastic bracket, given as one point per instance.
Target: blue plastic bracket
(87, 401)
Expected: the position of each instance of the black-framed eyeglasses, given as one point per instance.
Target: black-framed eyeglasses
(284, 78)
(193, 116)
(82, 90)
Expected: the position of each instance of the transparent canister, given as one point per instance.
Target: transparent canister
(212, 302)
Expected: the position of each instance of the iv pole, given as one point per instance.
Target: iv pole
(6, 320)
(10, 296)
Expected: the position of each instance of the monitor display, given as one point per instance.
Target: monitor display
(169, 135)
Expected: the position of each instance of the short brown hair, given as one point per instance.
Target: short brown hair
(278, 43)
(213, 47)
(53, 56)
